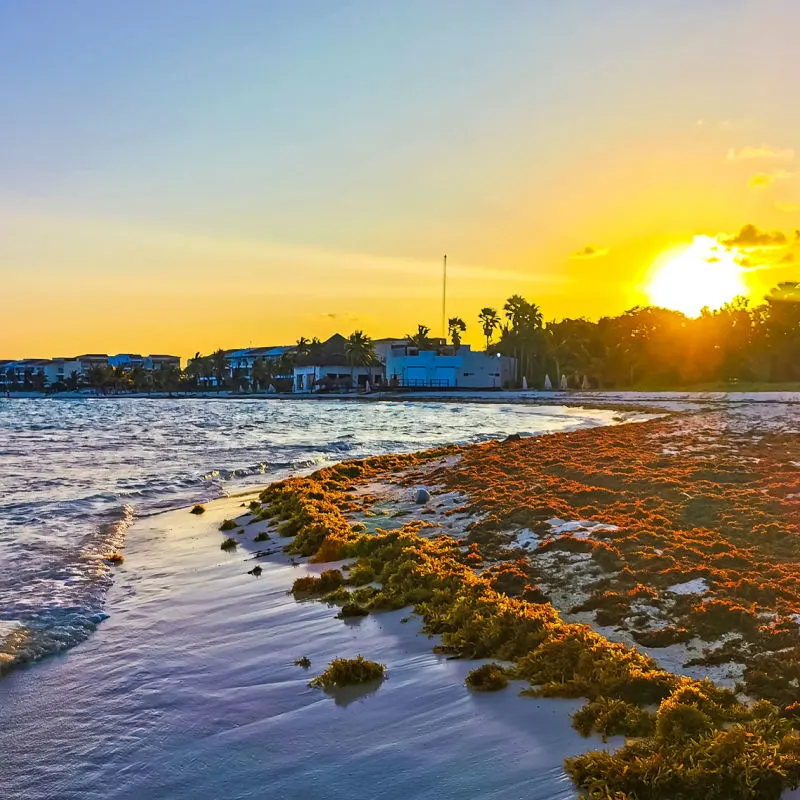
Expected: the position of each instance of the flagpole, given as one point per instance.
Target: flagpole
(444, 298)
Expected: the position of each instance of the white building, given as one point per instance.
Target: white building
(409, 367)
(59, 370)
(328, 370)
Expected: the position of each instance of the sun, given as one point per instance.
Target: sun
(690, 277)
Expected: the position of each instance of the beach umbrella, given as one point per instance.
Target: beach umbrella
(564, 385)
(548, 384)
(585, 384)
(524, 384)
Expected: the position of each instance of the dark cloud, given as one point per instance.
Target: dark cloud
(590, 251)
(751, 237)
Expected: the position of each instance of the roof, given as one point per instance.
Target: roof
(160, 355)
(92, 355)
(331, 353)
(255, 352)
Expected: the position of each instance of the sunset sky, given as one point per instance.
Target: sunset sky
(182, 175)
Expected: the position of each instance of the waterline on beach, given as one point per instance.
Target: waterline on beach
(76, 472)
(190, 689)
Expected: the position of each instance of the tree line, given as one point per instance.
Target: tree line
(651, 346)
(645, 346)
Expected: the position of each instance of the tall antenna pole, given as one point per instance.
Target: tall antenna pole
(444, 298)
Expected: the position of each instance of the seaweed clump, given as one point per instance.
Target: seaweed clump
(610, 716)
(328, 581)
(352, 610)
(349, 671)
(114, 558)
(198, 509)
(228, 525)
(303, 661)
(229, 544)
(487, 678)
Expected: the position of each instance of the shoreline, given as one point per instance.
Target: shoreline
(189, 689)
(475, 498)
(677, 602)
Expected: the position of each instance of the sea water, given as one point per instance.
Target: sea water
(74, 474)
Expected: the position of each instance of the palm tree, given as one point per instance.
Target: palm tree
(315, 348)
(489, 323)
(359, 350)
(220, 367)
(303, 346)
(522, 314)
(420, 339)
(456, 326)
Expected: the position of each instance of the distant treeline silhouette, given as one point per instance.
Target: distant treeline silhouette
(656, 346)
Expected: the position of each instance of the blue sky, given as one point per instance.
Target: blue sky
(506, 133)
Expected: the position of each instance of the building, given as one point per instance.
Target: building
(156, 362)
(59, 370)
(89, 361)
(42, 373)
(26, 373)
(126, 360)
(240, 362)
(150, 363)
(447, 368)
(327, 369)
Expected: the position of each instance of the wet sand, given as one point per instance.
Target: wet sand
(189, 690)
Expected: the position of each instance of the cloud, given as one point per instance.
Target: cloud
(787, 206)
(763, 152)
(590, 251)
(341, 317)
(762, 179)
(751, 238)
